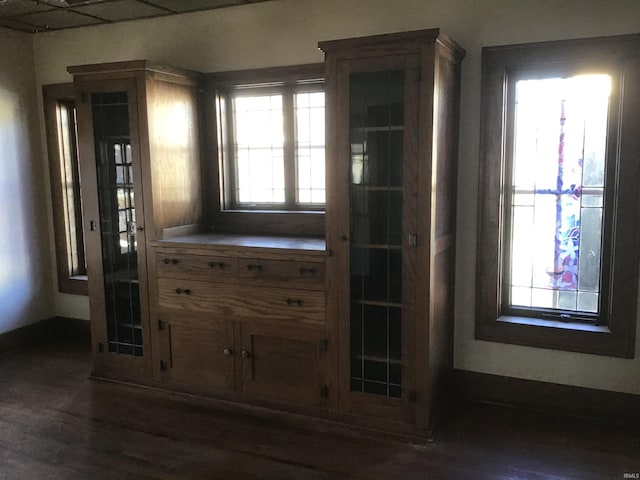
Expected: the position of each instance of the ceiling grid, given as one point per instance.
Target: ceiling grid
(46, 15)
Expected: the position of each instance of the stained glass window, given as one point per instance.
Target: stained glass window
(556, 195)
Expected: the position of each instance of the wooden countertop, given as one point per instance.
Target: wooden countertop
(242, 242)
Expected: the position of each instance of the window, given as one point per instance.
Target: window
(554, 197)
(557, 263)
(60, 120)
(271, 142)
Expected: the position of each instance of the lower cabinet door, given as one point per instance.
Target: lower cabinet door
(197, 351)
(283, 363)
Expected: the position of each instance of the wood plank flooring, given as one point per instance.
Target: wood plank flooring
(55, 423)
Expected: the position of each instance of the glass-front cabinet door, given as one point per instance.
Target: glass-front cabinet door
(381, 194)
(110, 167)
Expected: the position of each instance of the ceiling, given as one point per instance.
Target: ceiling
(47, 15)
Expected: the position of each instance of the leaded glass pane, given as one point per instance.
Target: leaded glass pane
(376, 203)
(259, 149)
(117, 222)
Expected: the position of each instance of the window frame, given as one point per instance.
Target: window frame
(223, 212)
(614, 334)
(68, 282)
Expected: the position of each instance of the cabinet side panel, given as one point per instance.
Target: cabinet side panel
(174, 148)
(446, 145)
(445, 153)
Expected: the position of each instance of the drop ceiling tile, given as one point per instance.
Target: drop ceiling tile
(73, 3)
(53, 3)
(13, 25)
(191, 5)
(67, 3)
(121, 10)
(57, 19)
(18, 7)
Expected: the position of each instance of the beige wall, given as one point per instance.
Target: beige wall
(25, 267)
(284, 32)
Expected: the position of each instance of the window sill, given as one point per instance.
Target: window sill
(556, 335)
(538, 322)
(76, 285)
(277, 212)
(270, 222)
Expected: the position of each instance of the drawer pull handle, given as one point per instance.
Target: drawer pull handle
(227, 351)
(254, 268)
(246, 354)
(219, 265)
(291, 302)
(307, 271)
(167, 261)
(186, 291)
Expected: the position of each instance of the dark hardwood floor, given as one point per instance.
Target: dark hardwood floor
(55, 423)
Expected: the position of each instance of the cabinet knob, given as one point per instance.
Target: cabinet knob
(227, 351)
(140, 228)
(186, 291)
(246, 354)
(294, 302)
(254, 268)
(219, 265)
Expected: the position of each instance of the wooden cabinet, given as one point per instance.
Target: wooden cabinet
(240, 320)
(391, 174)
(140, 169)
(356, 327)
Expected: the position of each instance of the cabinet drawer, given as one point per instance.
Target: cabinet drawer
(195, 266)
(307, 275)
(240, 302)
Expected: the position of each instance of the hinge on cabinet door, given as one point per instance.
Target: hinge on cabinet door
(101, 347)
(161, 325)
(324, 345)
(413, 396)
(324, 392)
(413, 239)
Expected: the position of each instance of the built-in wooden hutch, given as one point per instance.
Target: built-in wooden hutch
(354, 326)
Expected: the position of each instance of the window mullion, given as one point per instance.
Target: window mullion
(289, 148)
